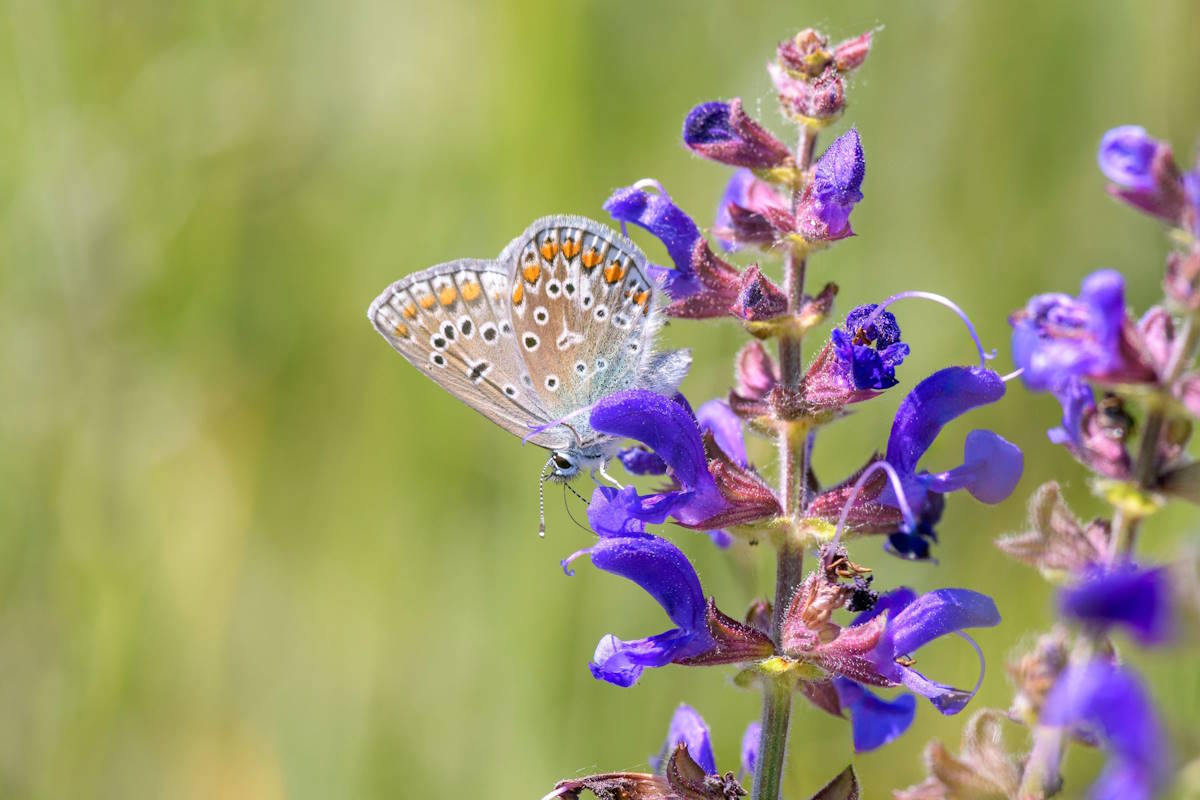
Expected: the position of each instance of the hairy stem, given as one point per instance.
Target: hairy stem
(793, 478)
(1043, 776)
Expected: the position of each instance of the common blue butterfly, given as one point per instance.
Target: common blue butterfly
(564, 316)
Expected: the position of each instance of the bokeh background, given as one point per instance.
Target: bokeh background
(247, 552)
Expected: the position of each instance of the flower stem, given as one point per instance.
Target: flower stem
(777, 712)
(793, 478)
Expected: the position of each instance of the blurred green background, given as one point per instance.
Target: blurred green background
(247, 551)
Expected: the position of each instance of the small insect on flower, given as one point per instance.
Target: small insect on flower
(567, 314)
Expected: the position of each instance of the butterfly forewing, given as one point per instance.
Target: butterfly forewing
(453, 323)
(583, 311)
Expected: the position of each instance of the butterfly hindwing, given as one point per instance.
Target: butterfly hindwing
(584, 312)
(452, 322)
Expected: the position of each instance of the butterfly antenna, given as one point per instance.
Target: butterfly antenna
(542, 499)
(567, 507)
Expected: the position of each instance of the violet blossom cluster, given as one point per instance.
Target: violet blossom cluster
(1127, 387)
(830, 635)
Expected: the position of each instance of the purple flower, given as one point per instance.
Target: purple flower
(835, 189)
(724, 132)
(712, 490)
(750, 747)
(675, 229)
(688, 728)
(991, 466)
(875, 650)
(913, 623)
(1056, 337)
(713, 417)
(990, 470)
(874, 721)
(1108, 702)
(664, 572)
(1143, 172)
(870, 353)
(1136, 599)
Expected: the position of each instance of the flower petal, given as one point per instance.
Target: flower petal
(1109, 700)
(624, 512)
(726, 427)
(621, 662)
(990, 470)
(1126, 156)
(662, 424)
(661, 569)
(874, 720)
(689, 728)
(935, 614)
(931, 404)
(1138, 599)
(641, 461)
(657, 214)
(750, 747)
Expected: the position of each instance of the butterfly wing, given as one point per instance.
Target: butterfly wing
(452, 322)
(585, 314)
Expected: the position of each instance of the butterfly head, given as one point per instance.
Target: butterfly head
(568, 462)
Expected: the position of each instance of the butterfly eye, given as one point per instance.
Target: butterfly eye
(562, 463)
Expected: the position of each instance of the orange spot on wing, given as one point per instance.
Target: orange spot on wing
(518, 294)
(410, 311)
(641, 297)
(614, 272)
(590, 258)
(570, 248)
(531, 274)
(448, 295)
(426, 301)
(549, 250)
(401, 330)
(470, 291)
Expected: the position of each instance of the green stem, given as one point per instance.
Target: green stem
(777, 712)
(793, 477)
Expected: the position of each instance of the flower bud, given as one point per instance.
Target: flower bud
(724, 132)
(835, 188)
(1143, 172)
(758, 298)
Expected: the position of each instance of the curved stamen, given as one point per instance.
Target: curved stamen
(905, 509)
(651, 183)
(984, 355)
(1016, 373)
(982, 663)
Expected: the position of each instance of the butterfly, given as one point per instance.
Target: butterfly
(566, 315)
